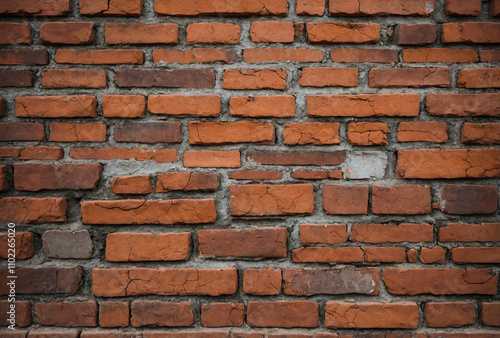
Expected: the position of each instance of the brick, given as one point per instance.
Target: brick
(195, 55)
(114, 314)
(16, 78)
(33, 210)
(422, 132)
(470, 32)
(4, 178)
(412, 255)
(39, 153)
(140, 33)
(432, 255)
(494, 8)
(158, 313)
(134, 184)
(367, 133)
(212, 159)
(185, 105)
(401, 200)
(345, 200)
(262, 106)
(254, 243)
(489, 55)
(67, 314)
(164, 281)
(449, 314)
(67, 33)
(230, 132)
(490, 314)
(472, 334)
(111, 7)
(282, 55)
(12, 33)
(255, 79)
(262, 282)
(328, 77)
(35, 8)
(416, 34)
(364, 315)
(221, 7)
(448, 163)
(148, 132)
(77, 132)
(402, 281)
(67, 244)
(310, 7)
(459, 232)
(73, 78)
(99, 57)
(213, 32)
(381, 233)
(2, 106)
(23, 313)
(450, 55)
(272, 32)
(315, 174)
(311, 133)
(157, 334)
(26, 57)
(484, 104)
(409, 77)
(316, 158)
(56, 106)
(475, 255)
(364, 55)
(254, 175)
(343, 32)
(466, 199)
(157, 155)
(56, 333)
(180, 211)
(480, 133)
(124, 106)
(222, 314)
(187, 181)
(363, 105)
(328, 255)
(461, 7)
(286, 314)
(137, 247)
(307, 282)
(479, 78)
(385, 254)
(168, 78)
(22, 131)
(24, 245)
(44, 280)
(323, 234)
(381, 7)
(72, 176)
(254, 200)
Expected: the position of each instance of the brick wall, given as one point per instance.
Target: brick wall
(251, 168)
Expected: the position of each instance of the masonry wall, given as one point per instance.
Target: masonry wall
(250, 168)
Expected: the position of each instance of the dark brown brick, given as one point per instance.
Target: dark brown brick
(417, 34)
(67, 314)
(75, 244)
(148, 132)
(467, 199)
(26, 57)
(316, 158)
(16, 78)
(22, 131)
(179, 78)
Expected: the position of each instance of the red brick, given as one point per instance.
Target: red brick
(412, 255)
(187, 181)
(323, 234)
(450, 55)
(180, 211)
(222, 314)
(494, 8)
(73, 176)
(56, 106)
(221, 7)
(282, 55)
(67, 314)
(459, 232)
(490, 314)
(148, 132)
(343, 32)
(262, 106)
(213, 32)
(401, 200)
(163, 281)
(448, 163)
(432, 255)
(255, 79)
(22, 131)
(479, 78)
(328, 77)
(231, 132)
(27, 57)
(469, 334)
(463, 7)
(310, 7)
(345, 200)
(185, 105)
(99, 56)
(12, 33)
(328, 255)
(489, 55)
(158, 313)
(422, 132)
(417, 34)
(114, 314)
(402, 281)
(381, 7)
(315, 158)
(381, 233)
(484, 104)
(156, 334)
(254, 175)
(35, 8)
(212, 159)
(67, 244)
(470, 32)
(195, 55)
(409, 77)
(254, 243)
(361, 315)
(367, 133)
(140, 33)
(449, 314)
(315, 174)
(287, 314)
(136, 184)
(77, 132)
(67, 33)
(124, 106)
(364, 55)
(111, 7)
(385, 254)
(73, 78)
(481, 133)
(271, 200)
(262, 282)
(4, 180)
(480, 255)
(16, 78)
(363, 105)
(272, 31)
(24, 245)
(157, 155)
(137, 247)
(32, 210)
(22, 316)
(168, 78)
(34, 153)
